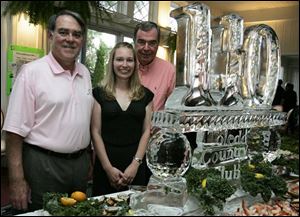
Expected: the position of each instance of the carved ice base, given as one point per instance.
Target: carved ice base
(170, 192)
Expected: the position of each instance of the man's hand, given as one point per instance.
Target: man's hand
(19, 194)
(18, 187)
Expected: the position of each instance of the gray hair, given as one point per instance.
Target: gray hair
(76, 16)
(146, 26)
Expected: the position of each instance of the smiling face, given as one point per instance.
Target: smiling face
(146, 45)
(123, 63)
(67, 40)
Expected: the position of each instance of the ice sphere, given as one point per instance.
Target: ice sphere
(168, 154)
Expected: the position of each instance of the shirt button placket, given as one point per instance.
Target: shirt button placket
(74, 93)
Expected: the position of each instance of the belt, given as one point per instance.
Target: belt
(56, 154)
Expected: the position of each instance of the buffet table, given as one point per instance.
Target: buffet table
(191, 207)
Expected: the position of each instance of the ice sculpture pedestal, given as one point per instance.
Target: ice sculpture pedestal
(185, 119)
(169, 192)
(168, 157)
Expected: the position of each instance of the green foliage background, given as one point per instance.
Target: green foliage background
(96, 58)
(40, 11)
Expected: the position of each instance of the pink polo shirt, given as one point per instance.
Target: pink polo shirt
(50, 107)
(159, 76)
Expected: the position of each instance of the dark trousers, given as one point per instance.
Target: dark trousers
(47, 173)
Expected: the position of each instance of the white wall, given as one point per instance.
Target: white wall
(287, 32)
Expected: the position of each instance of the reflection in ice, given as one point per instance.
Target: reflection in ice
(168, 154)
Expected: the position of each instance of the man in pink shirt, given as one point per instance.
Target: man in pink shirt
(156, 74)
(48, 119)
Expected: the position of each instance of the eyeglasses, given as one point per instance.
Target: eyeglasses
(142, 42)
(65, 33)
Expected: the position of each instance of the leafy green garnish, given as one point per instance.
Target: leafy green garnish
(90, 207)
(292, 165)
(213, 194)
(290, 143)
(263, 186)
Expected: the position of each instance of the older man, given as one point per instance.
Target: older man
(155, 73)
(48, 119)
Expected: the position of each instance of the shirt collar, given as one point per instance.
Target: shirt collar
(56, 67)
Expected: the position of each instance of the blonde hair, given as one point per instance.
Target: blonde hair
(136, 90)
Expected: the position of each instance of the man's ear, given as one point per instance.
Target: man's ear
(50, 34)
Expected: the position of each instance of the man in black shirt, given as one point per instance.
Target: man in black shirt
(279, 94)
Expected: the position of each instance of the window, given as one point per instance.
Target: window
(102, 36)
(135, 9)
(98, 47)
(110, 5)
(129, 40)
(141, 10)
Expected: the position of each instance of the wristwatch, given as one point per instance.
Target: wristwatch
(139, 160)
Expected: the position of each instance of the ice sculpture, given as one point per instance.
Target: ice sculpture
(168, 154)
(244, 66)
(219, 67)
(261, 66)
(232, 39)
(168, 157)
(193, 55)
(225, 85)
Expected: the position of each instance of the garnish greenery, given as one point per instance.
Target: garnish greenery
(291, 162)
(90, 207)
(258, 178)
(292, 165)
(209, 188)
(290, 143)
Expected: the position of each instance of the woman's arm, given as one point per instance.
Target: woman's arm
(146, 132)
(132, 169)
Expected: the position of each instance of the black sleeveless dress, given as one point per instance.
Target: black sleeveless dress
(121, 133)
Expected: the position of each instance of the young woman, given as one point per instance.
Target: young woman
(121, 123)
